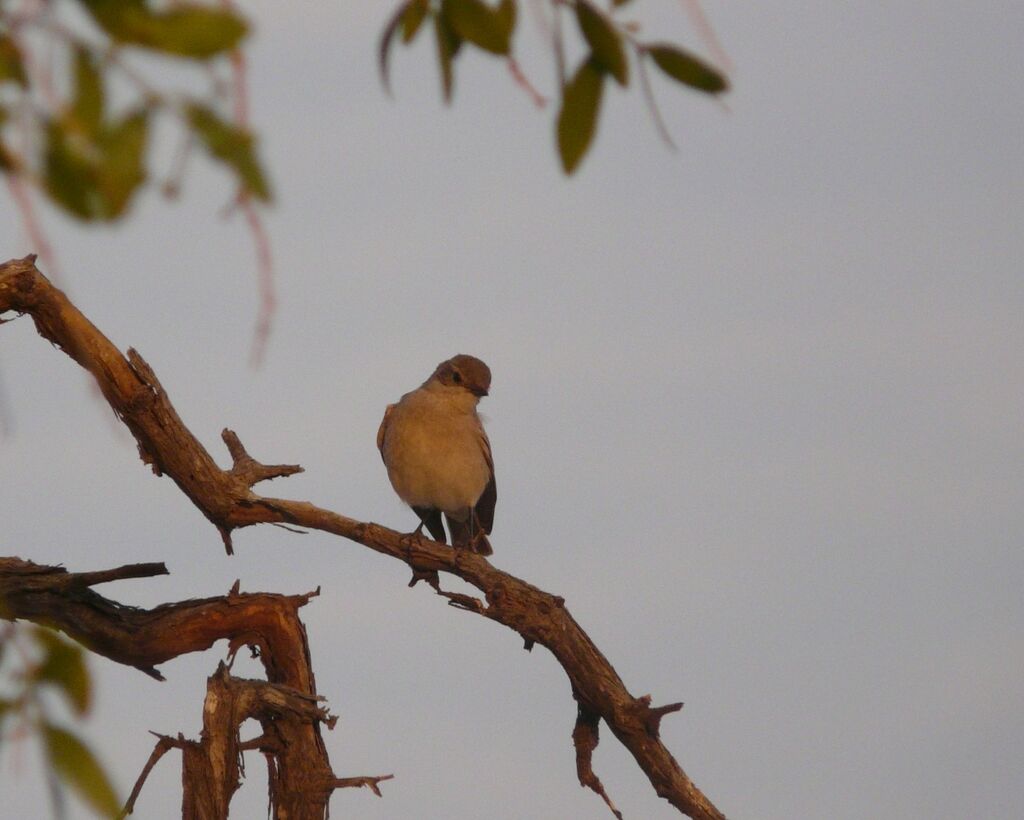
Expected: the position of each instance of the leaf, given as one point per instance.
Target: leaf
(448, 45)
(387, 37)
(76, 766)
(11, 68)
(233, 146)
(474, 21)
(94, 176)
(197, 31)
(604, 41)
(122, 170)
(687, 69)
(64, 665)
(87, 108)
(186, 29)
(505, 14)
(68, 174)
(577, 121)
(412, 18)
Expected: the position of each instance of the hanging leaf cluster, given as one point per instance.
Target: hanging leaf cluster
(608, 42)
(89, 156)
(56, 665)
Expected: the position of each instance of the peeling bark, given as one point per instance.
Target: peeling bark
(286, 704)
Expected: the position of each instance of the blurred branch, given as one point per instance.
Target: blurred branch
(91, 157)
(226, 498)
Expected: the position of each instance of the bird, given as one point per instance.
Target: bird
(438, 456)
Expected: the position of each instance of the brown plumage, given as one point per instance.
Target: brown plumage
(438, 456)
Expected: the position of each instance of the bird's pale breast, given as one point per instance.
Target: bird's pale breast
(434, 455)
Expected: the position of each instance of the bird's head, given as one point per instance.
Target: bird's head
(465, 372)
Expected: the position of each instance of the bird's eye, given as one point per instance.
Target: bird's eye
(456, 377)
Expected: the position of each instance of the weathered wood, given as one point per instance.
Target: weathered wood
(286, 704)
(226, 498)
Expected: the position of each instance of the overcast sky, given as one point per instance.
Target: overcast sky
(756, 414)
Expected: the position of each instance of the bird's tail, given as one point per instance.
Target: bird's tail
(469, 535)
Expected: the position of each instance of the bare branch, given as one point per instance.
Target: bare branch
(286, 704)
(91, 579)
(585, 739)
(249, 469)
(225, 497)
(356, 782)
(163, 745)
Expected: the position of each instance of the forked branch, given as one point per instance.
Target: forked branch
(226, 498)
(286, 704)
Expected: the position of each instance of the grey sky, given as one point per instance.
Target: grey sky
(756, 414)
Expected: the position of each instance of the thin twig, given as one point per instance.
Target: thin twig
(265, 280)
(645, 84)
(163, 745)
(357, 782)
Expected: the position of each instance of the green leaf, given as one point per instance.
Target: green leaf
(412, 18)
(11, 67)
(231, 145)
(474, 21)
(122, 170)
(197, 31)
(604, 41)
(686, 68)
(94, 176)
(68, 174)
(448, 45)
(506, 17)
(577, 121)
(64, 665)
(185, 29)
(76, 766)
(87, 108)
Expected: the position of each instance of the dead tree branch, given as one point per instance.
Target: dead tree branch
(226, 498)
(286, 704)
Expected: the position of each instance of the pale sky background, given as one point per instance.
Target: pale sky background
(756, 414)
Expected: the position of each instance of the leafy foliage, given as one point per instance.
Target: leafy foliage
(49, 662)
(577, 121)
(185, 29)
(63, 666)
(232, 145)
(606, 39)
(686, 68)
(92, 158)
(76, 766)
(606, 45)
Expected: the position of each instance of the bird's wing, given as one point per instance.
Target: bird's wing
(431, 518)
(489, 497)
(382, 431)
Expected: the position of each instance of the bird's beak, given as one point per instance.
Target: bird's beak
(479, 391)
